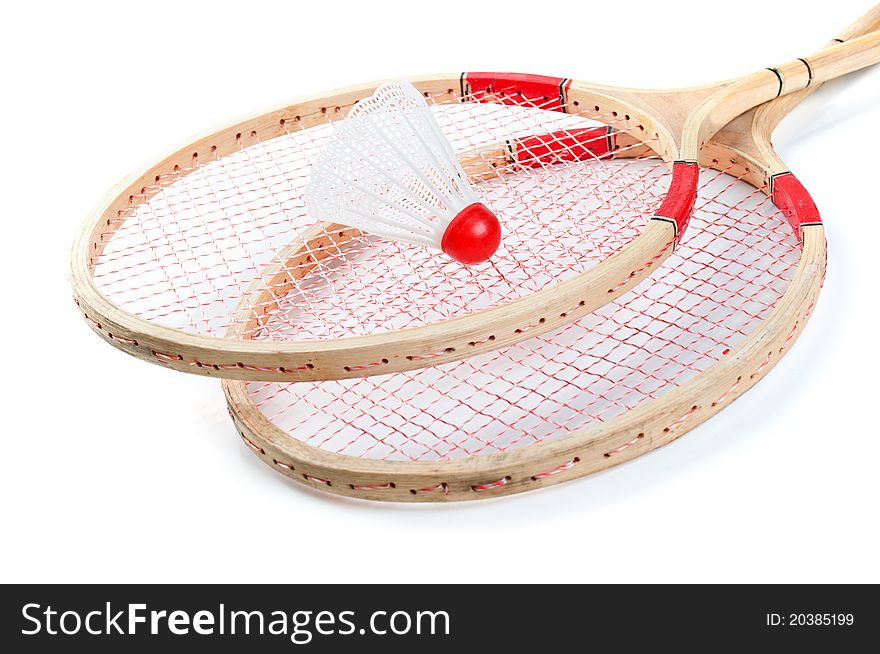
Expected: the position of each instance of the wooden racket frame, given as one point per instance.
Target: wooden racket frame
(679, 120)
(744, 148)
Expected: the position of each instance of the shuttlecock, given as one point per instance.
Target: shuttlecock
(389, 170)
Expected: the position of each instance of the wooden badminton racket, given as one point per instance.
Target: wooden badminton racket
(593, 186)
(602, 390)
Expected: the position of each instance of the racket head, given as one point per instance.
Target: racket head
(358, 438)
(156, 268)
(744, 152)
(160, 266)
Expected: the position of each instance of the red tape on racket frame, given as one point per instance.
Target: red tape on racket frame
(678, 206)
(794, 201)
(518, 89)
(580, 144)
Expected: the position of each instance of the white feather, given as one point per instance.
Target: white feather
(389, 170)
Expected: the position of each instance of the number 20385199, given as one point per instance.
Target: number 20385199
(810, 619)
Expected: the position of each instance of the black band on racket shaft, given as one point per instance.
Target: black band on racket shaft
(779, 77)
(563, 101)
(609, 138)
(809, 70)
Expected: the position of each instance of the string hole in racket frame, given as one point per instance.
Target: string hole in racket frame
(638, 437)
(686, 415)
(491, 485)
(562, 468)
(520, 330)
(247, 441)
(308, 366)
(125, 341)
(442, 486)
(580, 304)
(373, 487)
(381, 362)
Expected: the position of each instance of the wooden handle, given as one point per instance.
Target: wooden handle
(830, 62)
(867, 23)
(720, 107)
(767, 116)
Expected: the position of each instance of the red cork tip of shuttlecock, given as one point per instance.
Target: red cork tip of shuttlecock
(473, 235)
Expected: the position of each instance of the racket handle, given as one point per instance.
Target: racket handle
(831, 62)
(768, 115)
(867, 23)
(757, 88)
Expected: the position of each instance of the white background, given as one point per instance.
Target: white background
(115, 470)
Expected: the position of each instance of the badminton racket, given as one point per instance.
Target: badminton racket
(602, 390)
(596, 195)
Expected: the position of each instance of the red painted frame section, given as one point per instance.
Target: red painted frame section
(517, 89)
(550, 93)
(794, 201)
(678, 206)
(582, 144)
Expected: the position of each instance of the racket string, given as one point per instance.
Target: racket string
(722, 281)
(193, 242)
(188, 246)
